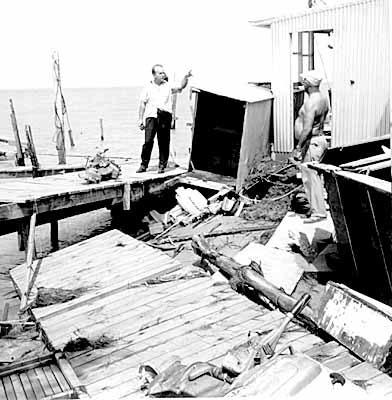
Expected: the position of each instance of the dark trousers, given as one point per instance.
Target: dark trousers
(161, 127)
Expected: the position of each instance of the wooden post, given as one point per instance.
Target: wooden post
(101, 127)
(19, 152)
(60, 145)
(32, 152)
(127, 197)
(71, 138)
(23, 234)
(54, 235)
(310, 51)
(29, 262)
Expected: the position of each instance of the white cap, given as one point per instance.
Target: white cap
(313, 77)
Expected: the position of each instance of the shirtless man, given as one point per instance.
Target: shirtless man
(312, 143)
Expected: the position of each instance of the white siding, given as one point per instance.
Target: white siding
(361, 54)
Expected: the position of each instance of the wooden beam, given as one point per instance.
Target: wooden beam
(366, 161)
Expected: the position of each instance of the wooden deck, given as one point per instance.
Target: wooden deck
(60, 196)
(197, 319)
(40, 378)
(22, 172)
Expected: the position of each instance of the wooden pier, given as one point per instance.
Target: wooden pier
(56, 197)
(155, 313)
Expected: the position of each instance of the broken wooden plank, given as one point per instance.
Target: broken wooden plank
(361, 324)
(366, 161)
(232, 231)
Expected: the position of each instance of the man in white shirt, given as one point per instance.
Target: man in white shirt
(155, 115)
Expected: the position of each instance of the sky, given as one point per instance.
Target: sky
(109, 43)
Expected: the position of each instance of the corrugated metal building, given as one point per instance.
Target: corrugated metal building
(360, 69)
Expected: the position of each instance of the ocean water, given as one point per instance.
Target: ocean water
(118, 107)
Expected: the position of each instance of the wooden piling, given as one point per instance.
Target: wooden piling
(71, 141)
(19, 152)
(32, 151)
(60, 146)
(101, 127)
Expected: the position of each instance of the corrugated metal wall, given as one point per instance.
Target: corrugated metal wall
(361, 71)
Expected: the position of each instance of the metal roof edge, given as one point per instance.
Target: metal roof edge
(243, 92)
(267, 22)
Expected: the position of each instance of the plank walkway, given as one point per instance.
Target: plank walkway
(58, 196)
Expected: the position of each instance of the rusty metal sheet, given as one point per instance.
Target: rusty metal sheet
(361, 324)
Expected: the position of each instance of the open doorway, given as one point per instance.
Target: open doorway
(312, 50)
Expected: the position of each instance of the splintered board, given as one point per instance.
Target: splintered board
(95, 268)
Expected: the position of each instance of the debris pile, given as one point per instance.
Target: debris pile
(192, 209)
(48, 296)
(83, 343)
(100, 168)
(268, 190)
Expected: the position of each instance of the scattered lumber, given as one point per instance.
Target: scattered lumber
(232, 231)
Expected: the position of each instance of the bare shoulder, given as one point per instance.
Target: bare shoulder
(316, 103)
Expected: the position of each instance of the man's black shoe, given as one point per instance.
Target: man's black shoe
(161, 170)
(141, 169)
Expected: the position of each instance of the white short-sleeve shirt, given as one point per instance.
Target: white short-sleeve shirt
(157, 97)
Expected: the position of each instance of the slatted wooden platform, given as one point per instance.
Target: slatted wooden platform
(198, 319)
(36, 379)
(58, 196)
(102, 266)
